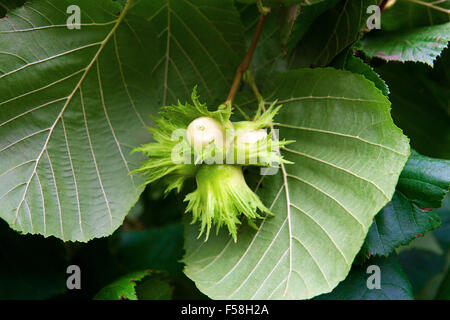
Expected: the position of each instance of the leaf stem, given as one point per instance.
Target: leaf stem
(263, 10)
(247, 59)
(242, 112)
(248, 77)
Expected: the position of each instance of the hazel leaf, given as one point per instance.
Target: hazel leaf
(348, 155)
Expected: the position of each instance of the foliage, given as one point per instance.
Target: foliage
(348, 191)
(143, 285)
(411, 32)
(421, 187)
(395, 287)
(308, 245)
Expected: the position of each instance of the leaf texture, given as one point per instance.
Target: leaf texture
(201, 43)
(74, 102)
(71, 110)
(348, 155)
(394, 284)
(421, 45)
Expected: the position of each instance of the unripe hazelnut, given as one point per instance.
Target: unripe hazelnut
(204, 130)
(251, 136)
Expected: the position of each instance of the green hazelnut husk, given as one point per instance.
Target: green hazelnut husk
(213, 150)
(222, 195)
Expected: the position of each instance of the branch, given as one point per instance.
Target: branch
(383, 4)
(247, 59)
(431, 5)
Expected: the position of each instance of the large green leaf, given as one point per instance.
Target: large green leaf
(400, 222)
(72, 105)
(201, 43)
(331, 33)
(422, 185)
(123, 288)
(307, 16)
(421, 44)
(425, 180)
(348, 155)
(139, 285)
(419, 96)
(394, 284)
(270, 56)
(347, 61)
(405, 14)
(411, 31)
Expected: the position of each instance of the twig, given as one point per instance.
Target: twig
(263, 10)
(247, 59)
(382, 4)
(431, 5)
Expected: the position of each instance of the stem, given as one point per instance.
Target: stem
(248, 77)
(382, 4)
(247, 59)
(263, 10)
(245, 115)
(431, 5)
